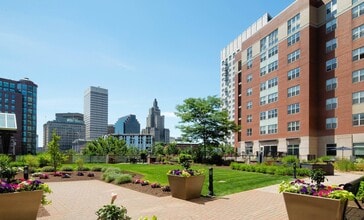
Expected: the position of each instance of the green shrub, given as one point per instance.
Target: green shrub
(44, 159)
(284, 171)
(271, 169)
(359, 166)
(325, 158)
(48, 169)
(32, 161)
(344, 165)
(302, 172)
(290, 159)
(123, 178)
(80, 163)
(110, 177)
(67, 168)
(17, 164)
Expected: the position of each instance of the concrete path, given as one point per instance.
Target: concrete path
(81, 199)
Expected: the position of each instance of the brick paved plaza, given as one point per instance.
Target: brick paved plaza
(81, 199)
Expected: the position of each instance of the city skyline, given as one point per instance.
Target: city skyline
(139, 51)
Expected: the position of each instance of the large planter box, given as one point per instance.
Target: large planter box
(303, 207)
(20, 205)
(327, 168)
(186, 187)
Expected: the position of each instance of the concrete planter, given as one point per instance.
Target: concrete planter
(20, 205)
(186, 187)
(327, 168)
(303, 207)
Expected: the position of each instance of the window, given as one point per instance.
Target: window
(358, 32)
(358, 119)
(249, 77)
(263, 129)
(358, 76)
(331, 103)
(294, 73)
(249, 132)
(263, 71)
(273, 51)
(331, 84)
(294, 38)
(294, 56)
(273, 66)
(358, 54)
(293, 24)
(331, 9)
(293, 108)
(293, 149)
(273, 38)
(249, 105)
(249, 64)
(331, 64)
(358, 10)
(249, 118)
(331, 149)
(272, 129)
(331, 123)
(272, 82)
(272, 113)
(358, 97)
(273, 97)
(293, 91)
(263, 100)
(294, 126)
(249, 53)
(331, 25)
(331, 45)
(262, 86)
(262, 115)
(249, 91)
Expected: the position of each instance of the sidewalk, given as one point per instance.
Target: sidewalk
(81, 199)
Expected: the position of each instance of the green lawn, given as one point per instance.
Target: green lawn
(226, 180)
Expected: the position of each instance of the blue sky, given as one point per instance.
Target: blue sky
(139, 50)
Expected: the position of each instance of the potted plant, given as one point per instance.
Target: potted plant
(21, 199)
(314, 200)
(186, 183)
(112, 212)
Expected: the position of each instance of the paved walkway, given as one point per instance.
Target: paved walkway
(81, 199)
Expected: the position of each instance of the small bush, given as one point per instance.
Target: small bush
(344, 165)
(110, 177)
(123, 178)
(32, 161)
(359, 166)
(17, 164)
(44, 159)
(290, 159)
(67, 168)
(48, 169)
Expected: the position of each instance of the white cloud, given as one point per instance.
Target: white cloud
(169, 114)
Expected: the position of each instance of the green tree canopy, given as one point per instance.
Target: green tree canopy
(109, 145)
(53, 150)
(203, 120)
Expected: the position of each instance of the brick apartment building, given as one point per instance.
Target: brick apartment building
(299, 81)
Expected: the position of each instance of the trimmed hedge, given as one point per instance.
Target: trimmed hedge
(269, 169)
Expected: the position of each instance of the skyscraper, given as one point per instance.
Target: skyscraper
(96, 112)
(299, 82)
(69, 126)
(155, 125)
(20, 98)
(127, 125)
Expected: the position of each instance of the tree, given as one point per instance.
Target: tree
(203, 120)
(54, 151)
(109, 145)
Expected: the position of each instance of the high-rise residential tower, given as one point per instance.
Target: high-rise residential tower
(155, 125)
(227, 71)
(20, 98)
(69, 126)
(299, 82)
(96, 112)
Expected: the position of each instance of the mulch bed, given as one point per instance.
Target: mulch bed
(97, 176)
